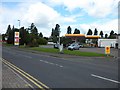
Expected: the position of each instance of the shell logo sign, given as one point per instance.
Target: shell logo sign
(16, 39)
(107, 50)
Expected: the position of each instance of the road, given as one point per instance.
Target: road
(55, 72)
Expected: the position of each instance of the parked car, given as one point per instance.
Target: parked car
(56, 46)
(81, 45)
(75, 46)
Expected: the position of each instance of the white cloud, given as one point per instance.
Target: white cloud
(45, 16)
(39, 13)
(42, 15)
(106, 27)
(96, 8)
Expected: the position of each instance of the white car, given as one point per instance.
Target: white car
(75, 46)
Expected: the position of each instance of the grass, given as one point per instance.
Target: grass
(89, 54)
(5, 44)
(50, 50)
(77, 53)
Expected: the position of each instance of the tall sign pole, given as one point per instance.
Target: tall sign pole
(16, 39)
(17, 36)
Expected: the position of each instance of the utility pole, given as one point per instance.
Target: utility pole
(19, 33)
(60, 45)
(19, 23)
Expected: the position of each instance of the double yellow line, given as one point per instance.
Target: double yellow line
(27, 76)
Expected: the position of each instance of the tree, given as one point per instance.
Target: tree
(10, 35)
(3, 37)
(57, 30)
(41, 35)
(42, 41)
(106, 35)
(76, 31)
(89, 32)
(23, 36)
(95, 32)
(111, 34)
(66, 41)
(55, 33)
(101, 34)
(34, 31)
(32, 26)
(8, 30)
(69, 30)
(52, 33)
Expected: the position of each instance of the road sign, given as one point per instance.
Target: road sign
(16, 38)
(107, 50)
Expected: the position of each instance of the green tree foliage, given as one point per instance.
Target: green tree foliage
(34, 43)
(40, 35)
(106, 35)
(95, 32)
(55, 33)
(76, 31)
(10, 35)
(28, 36)
(8, 30)
(57, 30)
(69, 30)
(89, 32)
(34, 31)
(23, 36)
(3, 37)
(65, 41)
(52, 33)
(42, 41)
(101, 34)
(112, 35)
(46, 38)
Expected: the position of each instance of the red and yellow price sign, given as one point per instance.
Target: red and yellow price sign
(107, 50)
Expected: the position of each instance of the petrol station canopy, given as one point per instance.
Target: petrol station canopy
(82, 35)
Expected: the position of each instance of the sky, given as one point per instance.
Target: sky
(45, 14)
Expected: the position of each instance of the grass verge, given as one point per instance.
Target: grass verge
(77, 53)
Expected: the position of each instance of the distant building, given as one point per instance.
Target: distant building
(107, 42)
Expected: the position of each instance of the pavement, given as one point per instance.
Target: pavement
(65, 71)
(10, 79)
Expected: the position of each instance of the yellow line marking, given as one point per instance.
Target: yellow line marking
(5, 61)
(20, 77)
(28, 75)
(25, 76)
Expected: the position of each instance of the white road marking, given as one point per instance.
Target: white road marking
(25, 56)
(105, 78)
(51, 63)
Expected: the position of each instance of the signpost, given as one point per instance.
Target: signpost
(16, 38)
(107, 50)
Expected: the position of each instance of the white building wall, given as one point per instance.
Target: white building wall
(107, 42)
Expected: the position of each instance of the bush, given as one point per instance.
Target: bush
(34, 43)
(42, 41)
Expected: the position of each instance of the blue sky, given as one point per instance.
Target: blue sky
(81, 14)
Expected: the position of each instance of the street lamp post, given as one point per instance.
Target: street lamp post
(60, 45)
(19, 32)
(19, 23)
